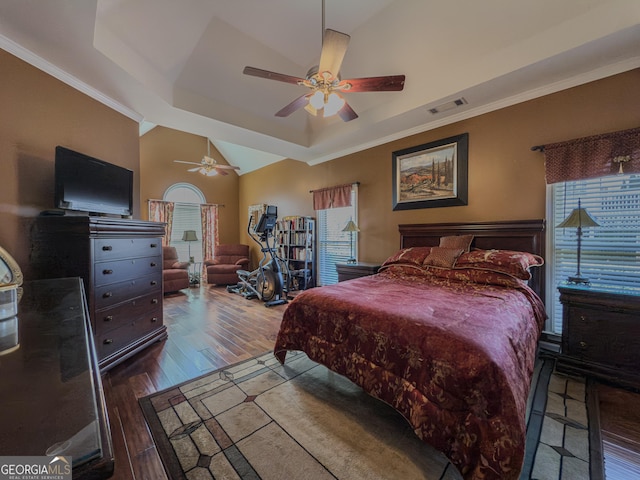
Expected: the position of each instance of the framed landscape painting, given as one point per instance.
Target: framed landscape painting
(431, 175)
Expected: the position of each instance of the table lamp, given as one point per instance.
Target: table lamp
(189, 236)
(578, 218)
(351, 227)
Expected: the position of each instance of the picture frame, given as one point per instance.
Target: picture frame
(431, 175)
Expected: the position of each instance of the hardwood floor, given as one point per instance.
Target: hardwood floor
(210, 328)
(620, 429)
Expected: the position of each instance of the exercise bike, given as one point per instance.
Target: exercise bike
(269, 281)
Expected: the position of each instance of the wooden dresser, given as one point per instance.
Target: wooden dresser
(601, 334)
(120, 262)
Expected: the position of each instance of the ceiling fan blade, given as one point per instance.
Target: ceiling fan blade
(231, 167)
(347, 113)
(298, 103)
(190, 163)
(393, 83)
(280, 77)
(220, 171)
(334, 46)
(194, 169)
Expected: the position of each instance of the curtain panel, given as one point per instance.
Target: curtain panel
(332, 197)
(210, 236)
(593, 157)
(161, 211)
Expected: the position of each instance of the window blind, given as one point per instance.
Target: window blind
(334, 245)
(186, 216)
(610, 256)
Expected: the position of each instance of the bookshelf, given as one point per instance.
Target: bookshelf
(295, 237)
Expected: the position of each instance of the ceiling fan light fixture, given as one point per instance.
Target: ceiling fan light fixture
(317, 100)
(334, 103)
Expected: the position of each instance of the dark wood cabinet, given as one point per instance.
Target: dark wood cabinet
(347, 271)
(601, 334)
(52, 397)
(120, 262)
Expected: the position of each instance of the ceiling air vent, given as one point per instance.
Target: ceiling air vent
(448, 105)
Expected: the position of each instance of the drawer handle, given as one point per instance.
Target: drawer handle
(154, 264)
(583, 318)
(154, 245)
(154, 319)
(107, 248)
(107, 272)
(108, 318)
(107, 294)
(154, 301)
(153, 282)
(583, 344)
(107, 341)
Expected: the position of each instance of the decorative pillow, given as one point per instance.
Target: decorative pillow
(411, 255)
(479, 276)
(516, 264)
(443, 257)
(457, 241)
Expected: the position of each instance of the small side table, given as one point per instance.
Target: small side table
(601, 334)
(348, 271)
(195, 272)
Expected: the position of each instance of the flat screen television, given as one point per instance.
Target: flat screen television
(86, 184)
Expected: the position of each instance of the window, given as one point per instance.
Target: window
(186, 216)
(610, 253)
(334, 245)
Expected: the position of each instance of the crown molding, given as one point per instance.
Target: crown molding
(40, 63)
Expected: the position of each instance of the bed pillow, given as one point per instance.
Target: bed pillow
(411, 255)
(479, 276)
(442, 257)
(457, 241)
(516, 264)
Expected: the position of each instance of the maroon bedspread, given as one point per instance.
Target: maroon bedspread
(454, 357)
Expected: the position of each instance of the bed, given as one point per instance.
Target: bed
(446, 335)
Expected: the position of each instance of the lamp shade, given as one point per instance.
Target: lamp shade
(579, 217)
(189, 236)
(351, 227)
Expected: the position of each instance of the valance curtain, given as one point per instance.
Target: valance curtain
(593, 157)
(210, 236)
(161, 211)
(332, 197)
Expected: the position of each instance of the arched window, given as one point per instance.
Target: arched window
(186, 216)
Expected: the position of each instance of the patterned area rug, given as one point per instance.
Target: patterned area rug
(261, 420)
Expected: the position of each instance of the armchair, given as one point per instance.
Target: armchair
(227, 260)
(175, 274)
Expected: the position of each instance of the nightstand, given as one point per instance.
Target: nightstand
(601, 334)
(347, 271)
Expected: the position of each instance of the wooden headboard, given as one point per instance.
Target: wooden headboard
(521, 235)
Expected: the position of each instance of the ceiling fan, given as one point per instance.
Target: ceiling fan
(325, 82)
(208, 166)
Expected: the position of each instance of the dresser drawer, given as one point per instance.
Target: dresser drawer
(116, 248)
(105, 273)
(111, 342)
(108, 319)
(116, 293)
(604, 336)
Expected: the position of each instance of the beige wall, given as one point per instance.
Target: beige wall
(158, 171)
(506, 179)
(37, 113)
